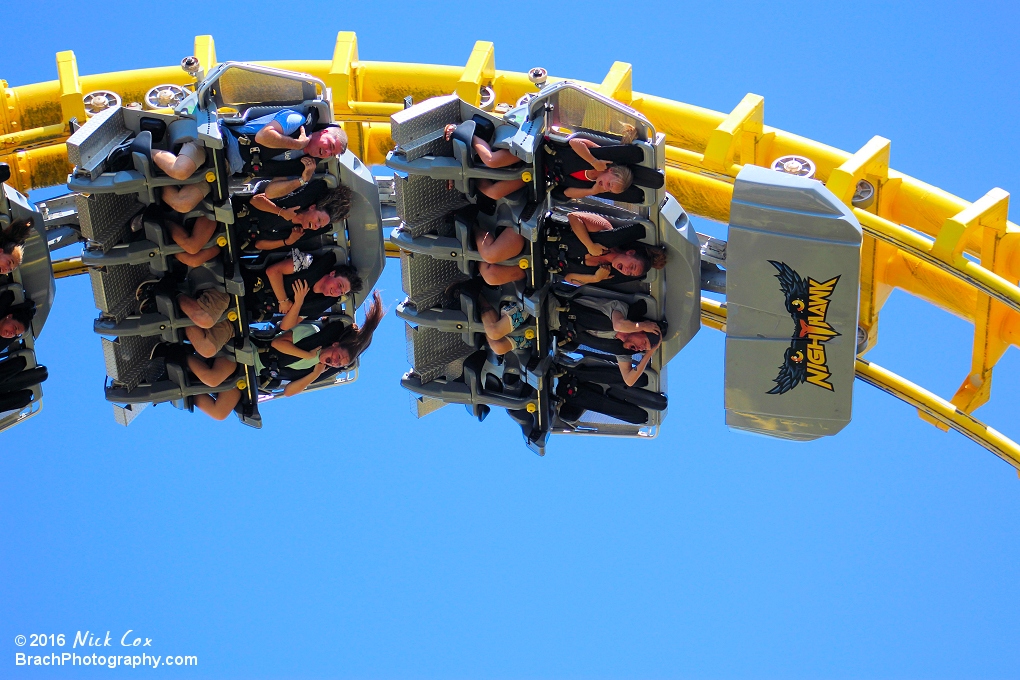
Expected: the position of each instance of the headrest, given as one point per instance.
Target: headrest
(23, 312)
(632, 194)
(312, 123)
(156, 126)
(324, 337)
(647, 177)
(634, 231)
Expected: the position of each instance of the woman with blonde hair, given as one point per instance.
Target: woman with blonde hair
(578, 168)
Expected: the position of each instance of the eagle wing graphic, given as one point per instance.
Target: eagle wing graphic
(795, 289)
(794, 369)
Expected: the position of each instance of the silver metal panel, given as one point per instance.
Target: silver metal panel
(432, 144)
(423, 118)
(421, 199)
(114, 288)
(678, 289)
(440, 226)
(125, 414)
(425, 278)
(93, 141)
(127, 360)
(421, 405)
(790, 353)
(242, 84)
(575, 107)
(104, 217)
(433, 353)
(36, 271)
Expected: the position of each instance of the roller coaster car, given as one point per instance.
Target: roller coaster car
(32, 280)
(235, 92)
(544, 390)
(120, 259)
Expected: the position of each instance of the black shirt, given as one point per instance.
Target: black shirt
(561, 161)
(255, 225)
(260, 301)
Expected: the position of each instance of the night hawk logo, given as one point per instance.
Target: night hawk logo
(807, 301)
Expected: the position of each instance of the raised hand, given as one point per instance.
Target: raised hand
(309, 164)
(289, 214)
(300, 288)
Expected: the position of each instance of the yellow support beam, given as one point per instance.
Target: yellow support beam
(737, 133)
(71, 266)
(940, 411)
(72, 104)
(43, 166)
(205, 50)
(479, 71)
(341, 78)
(988, 212)
(988, 215)
(618, 83)
(920, 246)
(871, 163)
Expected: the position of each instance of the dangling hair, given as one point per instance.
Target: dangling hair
(622, 173)
(652, 257)
(12, 239)
(629, 134)
(336, 203)
(356, 339)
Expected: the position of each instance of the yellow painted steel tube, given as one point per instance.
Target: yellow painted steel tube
(40, 167)
(940, 410)
(919, 246)
(37, 105)
(905, 200)
(71, 266)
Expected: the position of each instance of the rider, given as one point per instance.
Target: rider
(616, 328)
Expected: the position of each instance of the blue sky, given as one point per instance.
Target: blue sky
(347, 539)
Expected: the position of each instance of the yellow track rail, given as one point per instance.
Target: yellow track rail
(962, 257)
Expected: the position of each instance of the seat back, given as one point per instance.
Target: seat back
(239, 84)
(569, 109)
